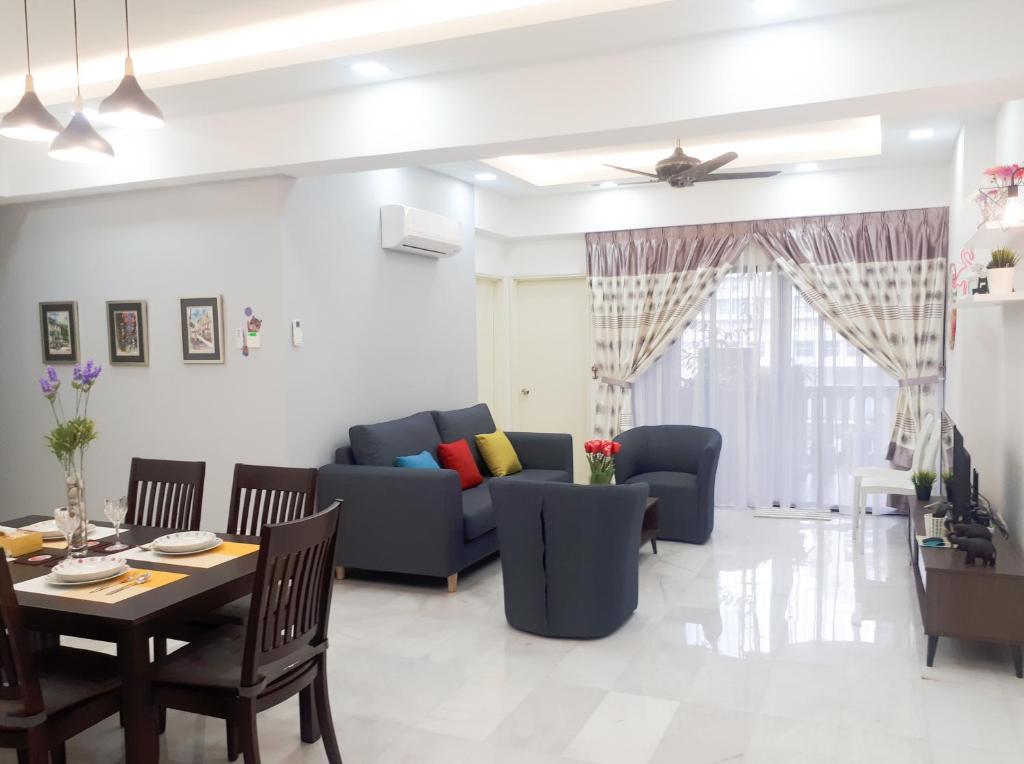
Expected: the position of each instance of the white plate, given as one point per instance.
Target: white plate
(54, 581)
(49, 530)
(85, 569)
(185, 541)
(214, 545)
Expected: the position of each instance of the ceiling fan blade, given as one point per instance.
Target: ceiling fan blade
(635, 172)
(711, 165)
(736, 175)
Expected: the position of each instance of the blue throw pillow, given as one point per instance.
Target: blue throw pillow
(421, 461)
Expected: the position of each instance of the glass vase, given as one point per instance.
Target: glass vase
(601, 478)
(74, 483)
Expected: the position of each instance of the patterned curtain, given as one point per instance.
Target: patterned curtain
(646, 286)
(879, 280)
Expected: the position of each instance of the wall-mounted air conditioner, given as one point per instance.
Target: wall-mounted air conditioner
(407, 229)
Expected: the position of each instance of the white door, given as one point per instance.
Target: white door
(487, 343)
(551, 350)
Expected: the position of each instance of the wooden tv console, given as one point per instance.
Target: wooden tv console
(965, 602)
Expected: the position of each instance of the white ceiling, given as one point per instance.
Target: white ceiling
(538, 76)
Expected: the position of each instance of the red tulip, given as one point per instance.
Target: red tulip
(616, 447)
(606, 449)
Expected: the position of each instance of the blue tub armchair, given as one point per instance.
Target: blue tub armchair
(678, 463)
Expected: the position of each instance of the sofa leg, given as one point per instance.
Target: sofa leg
(453, 583)
(339, 572)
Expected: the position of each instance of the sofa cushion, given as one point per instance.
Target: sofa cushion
(378, 444)
(670, 481)
(421, 461)
(477, 512)
(498, 452)
(546, 476)
(466, 424)
(457, 456)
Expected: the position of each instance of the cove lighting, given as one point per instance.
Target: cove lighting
(921, 134)
(609, 184)
(370, 69)
(774, 7)
(485, 177)
(806, 167)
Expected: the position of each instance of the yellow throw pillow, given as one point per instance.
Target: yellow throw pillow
(497, 451)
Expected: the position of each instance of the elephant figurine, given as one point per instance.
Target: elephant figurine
(969, 531)
(976, 549)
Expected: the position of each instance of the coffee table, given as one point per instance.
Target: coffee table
(649, 528)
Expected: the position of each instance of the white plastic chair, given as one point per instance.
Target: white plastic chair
(874, 480)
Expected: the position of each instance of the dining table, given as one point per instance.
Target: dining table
(131, 623)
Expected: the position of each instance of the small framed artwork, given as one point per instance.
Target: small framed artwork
(58, 322)
(202, 330)
(127, 332)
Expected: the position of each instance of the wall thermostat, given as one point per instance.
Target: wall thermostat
(296, 332)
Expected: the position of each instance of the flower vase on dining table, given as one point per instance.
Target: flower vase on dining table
(78, 541)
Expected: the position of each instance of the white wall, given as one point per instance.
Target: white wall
(984, 370)
(385, 334)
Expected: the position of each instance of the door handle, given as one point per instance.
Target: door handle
(525, 391)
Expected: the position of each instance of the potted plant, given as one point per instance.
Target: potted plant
(601, 458)
(947, 483)
(1000, 270)
(923, 481)
(69, 441)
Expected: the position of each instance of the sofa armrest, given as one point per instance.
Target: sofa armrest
(543, 450)
(395, 519)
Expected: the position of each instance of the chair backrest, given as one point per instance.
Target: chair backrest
(291, 595)
(261, 495)
(18, 679)
(569, 553)
(166, 494)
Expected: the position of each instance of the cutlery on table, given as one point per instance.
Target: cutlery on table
(133, 582)
(107, 585)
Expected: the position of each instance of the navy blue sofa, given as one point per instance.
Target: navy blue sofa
(421, 521)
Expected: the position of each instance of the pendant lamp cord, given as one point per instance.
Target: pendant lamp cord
(78, 74)
(127, 36)
(28, 52)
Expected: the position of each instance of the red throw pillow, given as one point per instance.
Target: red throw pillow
(457, 456)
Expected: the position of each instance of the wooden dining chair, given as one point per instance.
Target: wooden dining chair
(261, 495)
(48, 696)
(166, 494)
(281, 651)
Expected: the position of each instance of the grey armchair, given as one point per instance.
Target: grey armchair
(679, 463)
(569, 555)
(421, 521)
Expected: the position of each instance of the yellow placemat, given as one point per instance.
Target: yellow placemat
(87, 592)
(229, 550)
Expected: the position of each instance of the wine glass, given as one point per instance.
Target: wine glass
(115, 512)
(67, 523)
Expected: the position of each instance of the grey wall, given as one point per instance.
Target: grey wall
(379, 327)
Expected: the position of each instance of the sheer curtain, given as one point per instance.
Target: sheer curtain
(797, 405)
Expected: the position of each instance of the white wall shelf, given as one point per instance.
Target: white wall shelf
(984, 300)
(994, 234)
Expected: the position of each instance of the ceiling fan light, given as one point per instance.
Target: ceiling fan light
(129, 106)
(79, 141)
(29, 120)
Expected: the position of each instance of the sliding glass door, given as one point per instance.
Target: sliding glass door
(797, 405)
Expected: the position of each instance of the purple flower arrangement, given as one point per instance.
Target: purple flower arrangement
(71, 437)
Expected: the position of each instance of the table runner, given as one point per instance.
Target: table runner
(229, 550)
(85, 592)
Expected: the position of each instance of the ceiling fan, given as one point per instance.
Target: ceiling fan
(682, 171)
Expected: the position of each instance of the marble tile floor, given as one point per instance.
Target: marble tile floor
(775, 642)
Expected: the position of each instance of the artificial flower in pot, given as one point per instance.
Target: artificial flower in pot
(601, 458)
(69, 441)
(1001, 269)
(923, 481)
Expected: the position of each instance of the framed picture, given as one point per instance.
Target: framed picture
(202, 330)
(127, 334)
(58, 323)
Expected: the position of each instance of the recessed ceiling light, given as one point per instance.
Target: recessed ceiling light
(806, 167)
(921, 134)
(774, 7)
(370, 69)
(608, 184)
(485, 177)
